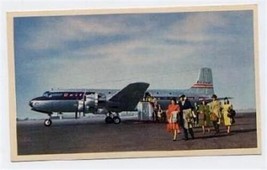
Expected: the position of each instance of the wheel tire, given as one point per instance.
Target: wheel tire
(116, 120)
(48, 122)
(109, 120)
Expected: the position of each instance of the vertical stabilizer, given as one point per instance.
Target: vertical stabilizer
(204, 84)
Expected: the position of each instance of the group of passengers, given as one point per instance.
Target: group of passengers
(183, 116)
(158, 115)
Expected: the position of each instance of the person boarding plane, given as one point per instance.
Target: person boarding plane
(90, 101)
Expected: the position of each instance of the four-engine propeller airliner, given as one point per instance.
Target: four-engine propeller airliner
(95, 101)
(90, 101)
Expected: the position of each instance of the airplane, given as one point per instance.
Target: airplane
(90, 101)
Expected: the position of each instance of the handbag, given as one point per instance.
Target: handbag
(213, 117)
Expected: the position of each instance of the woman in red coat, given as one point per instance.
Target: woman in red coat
(172, 115)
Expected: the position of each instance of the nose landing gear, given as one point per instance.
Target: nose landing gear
(48, 122)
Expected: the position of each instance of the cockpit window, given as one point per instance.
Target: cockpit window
(46, 94)
(49, 94)
(55, 94)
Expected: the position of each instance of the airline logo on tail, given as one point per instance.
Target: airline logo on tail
(202, 85)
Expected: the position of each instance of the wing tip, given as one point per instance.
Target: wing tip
(145, 83)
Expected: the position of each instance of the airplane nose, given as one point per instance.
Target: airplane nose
(31, 103)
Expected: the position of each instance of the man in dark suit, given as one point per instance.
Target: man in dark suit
(187, 117)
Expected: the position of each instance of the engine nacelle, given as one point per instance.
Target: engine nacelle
(90, 102)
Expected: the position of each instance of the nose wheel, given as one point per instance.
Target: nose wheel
(48, 122)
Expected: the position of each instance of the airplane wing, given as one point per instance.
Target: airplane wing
(128, 97)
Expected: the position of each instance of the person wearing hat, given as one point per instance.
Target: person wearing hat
(215, 114)
(227, 106)
(187, 117)
(204, 116)
(180, 114)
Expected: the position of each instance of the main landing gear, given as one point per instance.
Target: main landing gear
(113, 118)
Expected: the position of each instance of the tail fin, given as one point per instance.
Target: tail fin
(204, 84)
(129, 96)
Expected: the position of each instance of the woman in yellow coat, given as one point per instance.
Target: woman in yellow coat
(215, 114)
(227, 106)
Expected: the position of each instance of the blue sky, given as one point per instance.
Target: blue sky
(109, 51)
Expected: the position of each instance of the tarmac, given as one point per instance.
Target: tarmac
(90, 136)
